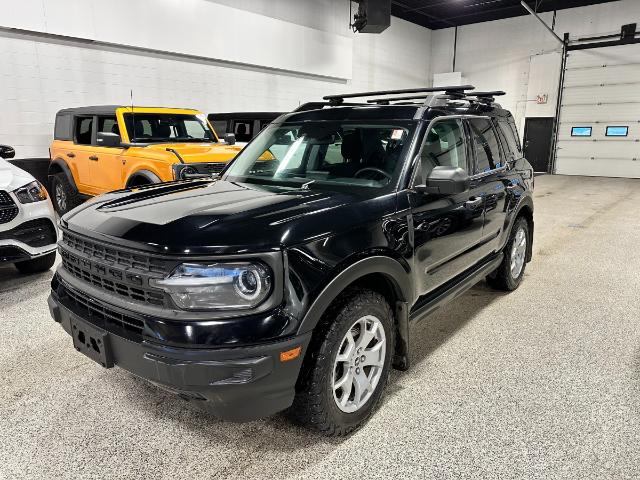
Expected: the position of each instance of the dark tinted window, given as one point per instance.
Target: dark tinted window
(243, 130)
(84, 126)
(63, 127)
(485, 145)
(108, 125)
(220, 126)
(509, 138)
(444, 146)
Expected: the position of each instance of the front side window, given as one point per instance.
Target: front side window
(108, 125)
(485, 145)
(444, 146)
(167, 128)
(331, 155)
(83, 130)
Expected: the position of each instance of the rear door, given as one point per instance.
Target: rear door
(106, 168)
(82, 152)
(489, 182)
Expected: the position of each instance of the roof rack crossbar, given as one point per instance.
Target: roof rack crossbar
(338, 99)
(496, 93)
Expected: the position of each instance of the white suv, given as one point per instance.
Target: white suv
(28, 232)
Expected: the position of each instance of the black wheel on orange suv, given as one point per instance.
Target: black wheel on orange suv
(347, 366)
(64, 196)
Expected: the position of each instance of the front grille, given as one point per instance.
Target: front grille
(35, 233)
(210, 168)
(114, 256)
(8, 208)
(110, 280)
(99, 313)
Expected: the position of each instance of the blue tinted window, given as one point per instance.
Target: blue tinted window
(617, 131)
(581, 131)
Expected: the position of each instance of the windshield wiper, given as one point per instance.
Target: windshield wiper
(305, 186)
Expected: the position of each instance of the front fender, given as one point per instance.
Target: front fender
(387, 266)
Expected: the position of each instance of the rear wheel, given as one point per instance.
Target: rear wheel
(509, 274)
(348, 364)
(65, 197)
(35, 265)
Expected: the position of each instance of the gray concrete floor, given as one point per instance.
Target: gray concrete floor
(540, 383)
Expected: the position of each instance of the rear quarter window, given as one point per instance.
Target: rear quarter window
(62, 129)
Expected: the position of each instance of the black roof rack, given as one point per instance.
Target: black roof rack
(457, 90)
(496, 93)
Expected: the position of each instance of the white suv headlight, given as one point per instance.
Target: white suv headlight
(217, 286)
(32, 192)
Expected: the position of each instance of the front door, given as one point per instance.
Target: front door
(446, 229)
(537, 142)
(106, 165)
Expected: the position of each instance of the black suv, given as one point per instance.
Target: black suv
(291, 281)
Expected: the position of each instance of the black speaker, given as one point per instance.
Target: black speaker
(374, 16)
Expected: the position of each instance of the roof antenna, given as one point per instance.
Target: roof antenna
(133, 120)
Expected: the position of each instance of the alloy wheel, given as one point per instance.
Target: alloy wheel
(518, 252)
(61, 198)
(359, 364)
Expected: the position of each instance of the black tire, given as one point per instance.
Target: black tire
(63, 194)
(502, 278)
(314, 405)
(36, 265)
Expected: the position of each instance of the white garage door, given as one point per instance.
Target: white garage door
(599, 131)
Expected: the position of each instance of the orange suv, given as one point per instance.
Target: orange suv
(104, 148)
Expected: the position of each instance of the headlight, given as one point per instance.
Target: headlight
(181, 171)
(218, 286)
(33, 192)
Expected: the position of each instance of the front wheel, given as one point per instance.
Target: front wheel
(509, 274)
(65, 197)
(347, 366)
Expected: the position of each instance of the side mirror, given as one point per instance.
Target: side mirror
(230, 138)
(108, 139)
(7, 152)
(445, 181)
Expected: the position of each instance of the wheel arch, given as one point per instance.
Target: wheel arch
(381, 274)
(525, 210)
(60, 166)
(144, 175)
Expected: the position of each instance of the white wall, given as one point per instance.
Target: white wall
(41, 75)
(502, 55)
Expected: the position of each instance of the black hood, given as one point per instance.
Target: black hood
(217, 217)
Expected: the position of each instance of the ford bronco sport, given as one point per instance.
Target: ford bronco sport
(104, 148)
(292, 284)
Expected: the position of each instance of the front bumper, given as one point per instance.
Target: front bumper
(235, 384)
(12, 249)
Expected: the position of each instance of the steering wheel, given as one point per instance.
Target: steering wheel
(373, 169)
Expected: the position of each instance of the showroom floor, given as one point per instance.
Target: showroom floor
(541, 383)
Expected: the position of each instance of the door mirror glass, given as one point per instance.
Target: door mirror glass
(7, 152)
(230, 138)
(108, 139)
(445, 180)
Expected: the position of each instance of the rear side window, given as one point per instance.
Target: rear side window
(444, 146)
(62, 129)
(83, 130)
(509, 138)
(485, 145)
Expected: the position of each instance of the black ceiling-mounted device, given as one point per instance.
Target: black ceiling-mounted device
(373, 16)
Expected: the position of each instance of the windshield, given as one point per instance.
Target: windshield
(167, 128)
(324, 154)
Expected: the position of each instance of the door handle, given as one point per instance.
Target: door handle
(473, 203)
(93, 157)
(71, 154)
